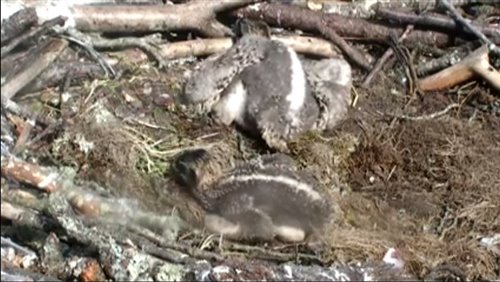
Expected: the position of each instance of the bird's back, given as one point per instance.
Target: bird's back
(280, 95)
(285, 195)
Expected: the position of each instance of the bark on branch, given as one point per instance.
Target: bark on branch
(198, 15)
(204, 47)
(434, 22)
(296, 17)
(29, 173)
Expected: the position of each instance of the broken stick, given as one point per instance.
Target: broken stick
(475, 64)
(204, 47)
(29, 173)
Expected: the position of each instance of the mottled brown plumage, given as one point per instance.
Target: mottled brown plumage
(262, 199)
(263, 86)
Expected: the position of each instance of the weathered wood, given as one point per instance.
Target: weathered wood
(37, 61)
(17, 23)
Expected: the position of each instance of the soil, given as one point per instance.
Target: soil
(429, 187)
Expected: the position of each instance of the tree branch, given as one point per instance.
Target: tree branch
(196, 15)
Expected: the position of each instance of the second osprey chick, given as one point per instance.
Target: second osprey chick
(261, 200)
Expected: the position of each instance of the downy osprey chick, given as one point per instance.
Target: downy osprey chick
(263, 199)
(261, 85)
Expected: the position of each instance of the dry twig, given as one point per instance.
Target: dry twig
(83, 41)
(191, 251)
(265, 254)
(429, 116)
(388, 53)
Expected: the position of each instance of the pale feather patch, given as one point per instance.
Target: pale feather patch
(290, 234)
(297, 94)
(367, 276)
(340, 276)
(217, 224)
(328, 277)
(344, 74)
(255, 7)
(231, 106)
(301, 186)
(393, 257)
(288, 271)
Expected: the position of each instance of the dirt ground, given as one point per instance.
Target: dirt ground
(426, 186)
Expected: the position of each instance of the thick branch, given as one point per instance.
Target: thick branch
(434, 22)
(25, 217)
(29, 173)
(195, 15)
(204, 47)
(295, 17)
(476, 64)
